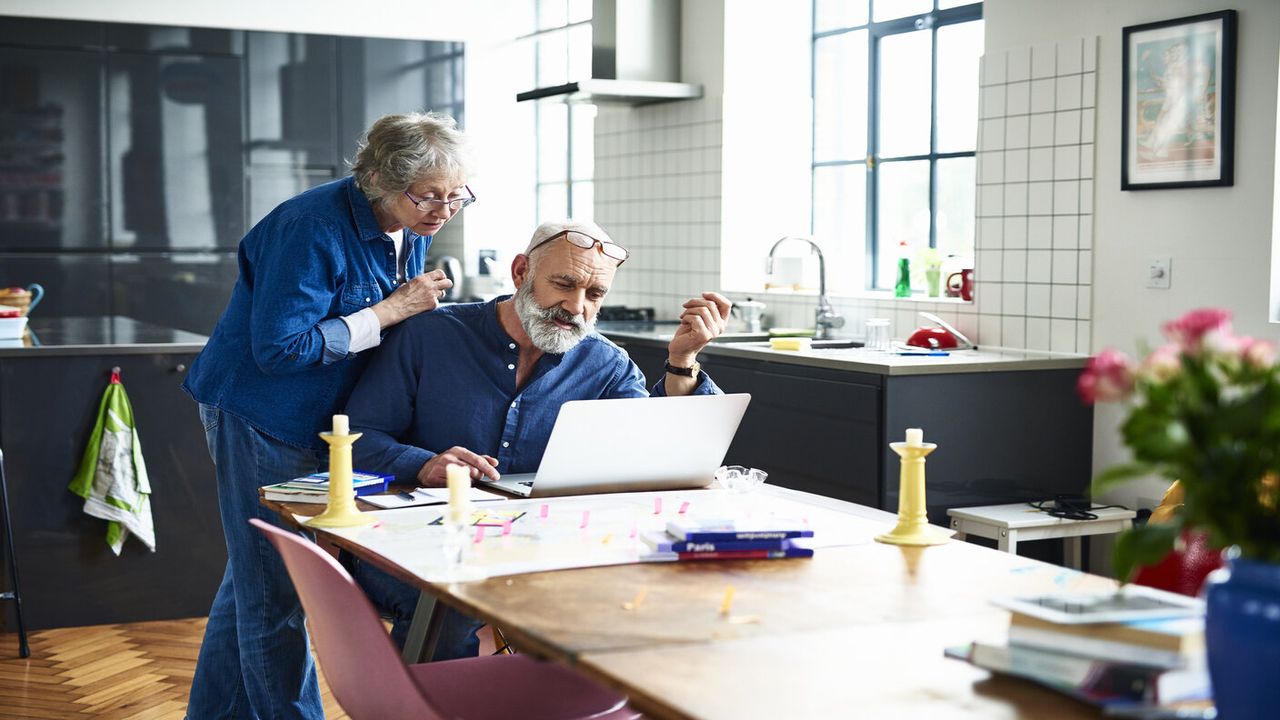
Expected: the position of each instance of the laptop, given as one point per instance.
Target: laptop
(628, 444)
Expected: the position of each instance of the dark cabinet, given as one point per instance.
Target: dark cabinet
(1002, 436)
(69, 575)
(129, 149)
(52, 176)
(175, 147)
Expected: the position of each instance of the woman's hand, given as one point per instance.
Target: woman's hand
(432, 473)
(420, 294)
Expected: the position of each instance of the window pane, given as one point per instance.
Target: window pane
(584, 130)
(552, 13)
(945, 4)
(905, 93)
(840, 223)
(959, 48)
(580, 52)
(579, 10)
(834, 14)
(956, 184)
(553, 141)
(890, 9)
(553, 59)
(584, 198)
(903, 215)
(553, 202)
(840, 97)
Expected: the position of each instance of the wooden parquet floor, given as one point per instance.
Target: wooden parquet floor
(140, 671)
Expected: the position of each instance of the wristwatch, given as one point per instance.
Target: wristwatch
(685, 371)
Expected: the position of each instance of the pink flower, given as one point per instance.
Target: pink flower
(1257, 354)
(1162, 365)
(1108, 377)
(1190, 329)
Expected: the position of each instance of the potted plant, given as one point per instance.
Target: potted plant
(929, 260)
(1204, 410)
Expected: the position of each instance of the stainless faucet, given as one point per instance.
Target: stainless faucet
(825, 317)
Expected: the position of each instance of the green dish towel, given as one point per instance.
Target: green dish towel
(112, 477)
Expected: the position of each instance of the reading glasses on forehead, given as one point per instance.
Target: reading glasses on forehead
(586, 242)
(454, 205)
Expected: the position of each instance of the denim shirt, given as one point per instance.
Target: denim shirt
(448, 378)
(278, 356)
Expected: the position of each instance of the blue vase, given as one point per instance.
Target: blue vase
(1242, 631)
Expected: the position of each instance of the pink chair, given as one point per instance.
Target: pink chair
(370, 681)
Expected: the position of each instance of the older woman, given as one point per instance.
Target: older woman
(321, 277)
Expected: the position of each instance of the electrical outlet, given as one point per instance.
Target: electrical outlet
(1159, 270)
(490, 255)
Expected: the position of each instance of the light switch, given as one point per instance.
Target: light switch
(1159, 270)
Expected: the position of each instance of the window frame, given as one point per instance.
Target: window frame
(539, 161)
(876, 32)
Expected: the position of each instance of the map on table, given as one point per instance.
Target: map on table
(582, 531)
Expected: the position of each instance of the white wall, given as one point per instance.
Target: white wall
(1219, 238)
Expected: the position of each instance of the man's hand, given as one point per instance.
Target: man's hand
(432, 472)
(420, 294)
(702, 321)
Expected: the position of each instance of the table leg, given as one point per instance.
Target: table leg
(1073, 553)
(424, 631)
(1008, 541)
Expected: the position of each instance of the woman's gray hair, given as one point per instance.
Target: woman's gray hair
(400, 150)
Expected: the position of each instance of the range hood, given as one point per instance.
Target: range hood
(635, 57)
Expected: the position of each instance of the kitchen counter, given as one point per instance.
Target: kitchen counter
(66, 336)
(858, 359)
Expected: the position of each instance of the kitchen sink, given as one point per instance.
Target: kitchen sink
(835, 344)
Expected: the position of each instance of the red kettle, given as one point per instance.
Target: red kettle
(941, 337)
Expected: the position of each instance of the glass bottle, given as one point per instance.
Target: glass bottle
(903, 286)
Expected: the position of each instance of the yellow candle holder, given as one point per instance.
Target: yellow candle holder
(341, 510)
(913, 526)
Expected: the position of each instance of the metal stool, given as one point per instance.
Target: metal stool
(15, 595)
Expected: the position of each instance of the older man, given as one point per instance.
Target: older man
(481, 384)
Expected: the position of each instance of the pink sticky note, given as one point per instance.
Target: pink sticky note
(633, 531)
(586, 518)
(479, 533)
(543, 512)
(657, 506)
(506, 528)
(683, 507)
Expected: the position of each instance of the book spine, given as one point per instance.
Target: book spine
(712, 536)
(1096, 648)
(730, 545)
(746, 554)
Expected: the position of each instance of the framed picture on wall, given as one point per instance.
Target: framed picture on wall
(1179, 103)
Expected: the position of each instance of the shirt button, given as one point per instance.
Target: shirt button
(511, 367)
(512, 346)
(506, 444)
(366, 299)
(513, 404)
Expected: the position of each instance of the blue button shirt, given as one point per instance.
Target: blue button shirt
(448, 378)
(278, 356)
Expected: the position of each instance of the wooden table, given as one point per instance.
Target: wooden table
(855, 632)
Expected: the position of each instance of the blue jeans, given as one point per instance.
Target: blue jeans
(398, 599)
(255, 661)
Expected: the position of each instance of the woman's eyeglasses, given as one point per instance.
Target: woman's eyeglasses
(454, 205)
(586, 242)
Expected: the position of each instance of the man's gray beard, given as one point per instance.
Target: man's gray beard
(539, 324)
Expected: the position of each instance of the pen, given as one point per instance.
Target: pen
(931, 353)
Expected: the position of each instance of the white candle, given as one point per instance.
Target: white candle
(458, 479)
(915, 437)
(340, 426)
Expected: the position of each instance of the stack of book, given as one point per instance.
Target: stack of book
(689, 539)
(314, 488)
(1147, 662)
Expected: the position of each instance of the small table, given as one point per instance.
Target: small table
(1009, 524)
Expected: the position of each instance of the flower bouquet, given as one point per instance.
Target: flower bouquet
(1204, 409)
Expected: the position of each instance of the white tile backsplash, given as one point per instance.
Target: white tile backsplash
(1038, 287)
